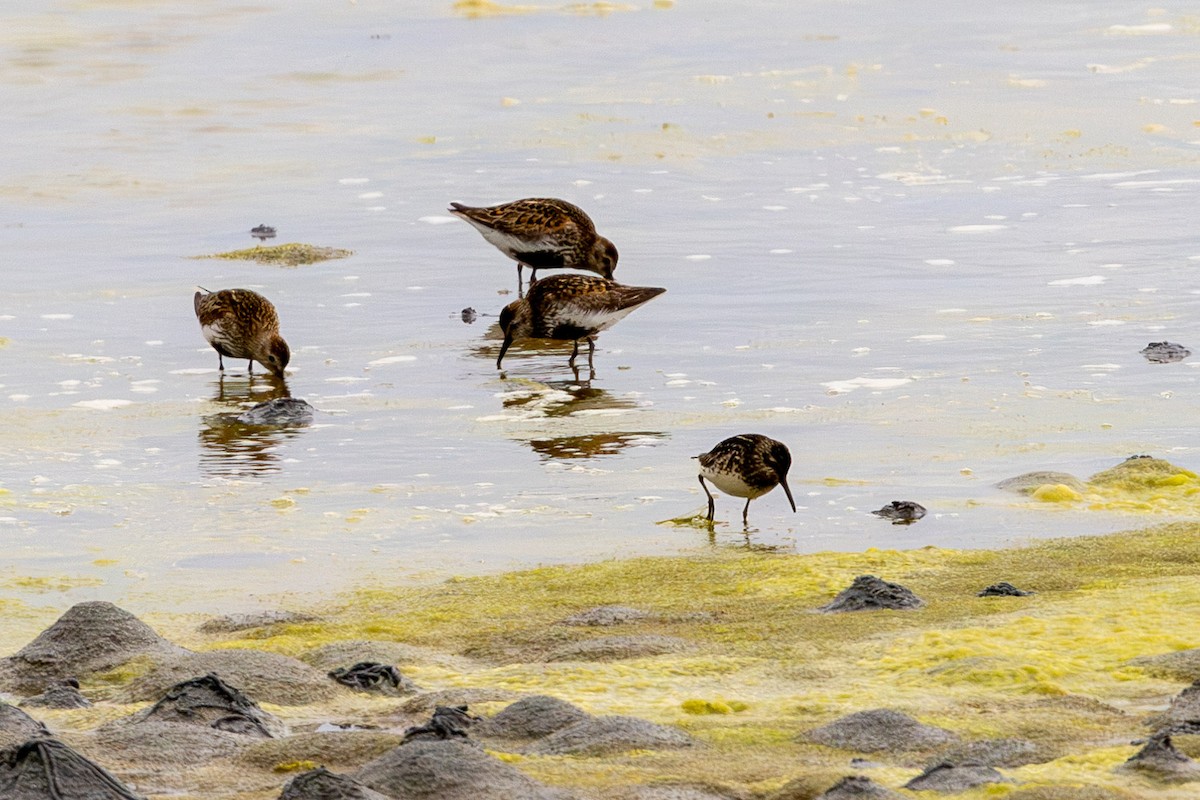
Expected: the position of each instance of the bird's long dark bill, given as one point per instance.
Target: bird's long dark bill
(788, 492)
(503, 349)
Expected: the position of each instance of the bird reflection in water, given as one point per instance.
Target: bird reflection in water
(232, 448)
(531, 352)
(592, 445)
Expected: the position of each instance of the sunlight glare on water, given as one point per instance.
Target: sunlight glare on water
(924, 255)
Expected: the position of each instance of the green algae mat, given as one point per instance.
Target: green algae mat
(283, 255)
(756, 667)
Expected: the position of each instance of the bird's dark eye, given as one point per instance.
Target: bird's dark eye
(271, 359)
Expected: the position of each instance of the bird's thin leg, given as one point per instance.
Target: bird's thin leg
(574, 353)
(220, 363)
(532, 276)
(745, 512)
(591, 352)
(712, 504)
(250, 367)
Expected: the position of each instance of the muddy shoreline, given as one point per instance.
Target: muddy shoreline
(700, 678)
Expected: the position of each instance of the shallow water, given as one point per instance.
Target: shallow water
(924, 252)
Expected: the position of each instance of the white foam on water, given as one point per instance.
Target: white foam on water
(379, 362)
(58, 316)
(103, 405)
(878, 384)
(698, 257)
(1140, 30)
(370, 195)
(1090, 280)
(976, 228)
(437, 219)
(940, 262)
(353, 181)
(194, 371)
(927, 337)
(1106, 322)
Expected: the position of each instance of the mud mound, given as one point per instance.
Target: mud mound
(232, 623)
(1028, 483)
(46, 769)
(63, 695)
(606, 616)
(856, 787)
(947, 777)
(338, 654)
(617, 648)
(1182, 665)
(16, 726)
(209, 702)
(869, 593)
(1003, 589)
(321, 784)
(90, 637)
(996, 753)
(532, 718)
(344, 750)
(164, 743)
(880, 730)
(427, 702)
(269, 677)
(1161, 761)
(448, 770)
(598, 736)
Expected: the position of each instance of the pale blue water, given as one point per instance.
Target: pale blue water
(922, 250)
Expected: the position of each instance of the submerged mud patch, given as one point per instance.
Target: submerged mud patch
(283, 255)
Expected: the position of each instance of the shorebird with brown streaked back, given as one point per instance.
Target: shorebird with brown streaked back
(749, 466)
(570, 307)
(542, 233)
(239, 323)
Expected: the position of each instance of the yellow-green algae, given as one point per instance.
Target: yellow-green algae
(1052, 668)
(1138, 484)
(284, 255)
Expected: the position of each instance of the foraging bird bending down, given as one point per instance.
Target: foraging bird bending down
(239, 323)
(749, 465)
(571, 307)
(542, 233)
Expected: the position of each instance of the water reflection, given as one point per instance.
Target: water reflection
(592, 445)
(231, 448)
(525, 350)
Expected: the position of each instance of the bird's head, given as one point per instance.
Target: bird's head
(603, 258)
(516, 323)
(275, 355)
(779, 459)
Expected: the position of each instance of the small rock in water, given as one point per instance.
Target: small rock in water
(371, 676)
(869, 593)
(901, 512)
(1003, 589)
(468, 315)
(448, 722)
(262, 232)
(1165, 352)
(279, 411)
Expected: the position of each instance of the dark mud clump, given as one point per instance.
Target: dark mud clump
(46, 769)
(599, 736)
(1164, 352)
(1003, 589)
(901, 512)
(869, 593)
(90, 637)
(371, 676)
(428, 701)
(880, 730)
(949, 777)
(856, 787)
(1183, 715)
(449, 770)
(1161, 761)
(65, 694)
(210, 702)
(321, 784)
(278, 411)
(447, 722)
(532, 718)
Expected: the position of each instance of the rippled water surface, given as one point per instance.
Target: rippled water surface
(924, 251)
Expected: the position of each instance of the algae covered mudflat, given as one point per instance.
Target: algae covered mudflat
(712, 672)
(292, 254)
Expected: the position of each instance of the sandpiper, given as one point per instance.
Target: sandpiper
(570, 307)
(901, 512)
(542, 233)
(239, 323)
(749, 466)
(262, 232)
